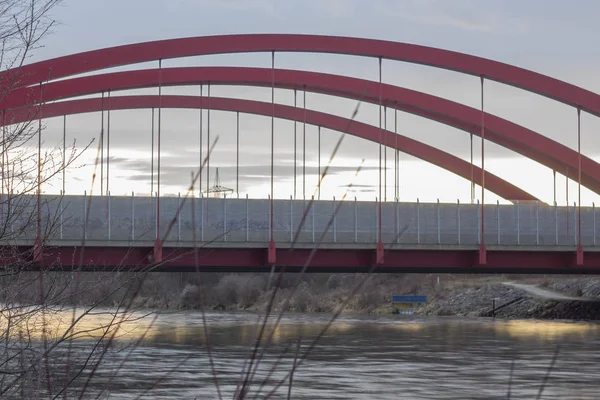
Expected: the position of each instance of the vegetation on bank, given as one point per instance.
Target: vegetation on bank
(462, 295)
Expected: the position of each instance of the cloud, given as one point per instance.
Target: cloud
(249, 175)
(227, 173)
(356, 186)
(116, 160)
(460, 14)
(269, 7)
(336, 8)
(363, 190)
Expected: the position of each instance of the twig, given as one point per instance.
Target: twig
(201, 300)
(510, 378)
(323, 331)
(306, 264)
(300, 226)
(548, 372)
(128, 307)
(289, 396)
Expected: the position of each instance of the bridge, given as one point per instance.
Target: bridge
(221, 234)
(242, 234)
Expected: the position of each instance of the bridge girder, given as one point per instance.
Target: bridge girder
(94, 60)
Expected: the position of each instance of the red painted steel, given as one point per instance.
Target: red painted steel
(95, 60)
(380, 248)
(272, 248)
(579, 245)
(500, 131)
(158, 243)
(482, 249)
(37, 247)
(102, 146)
(407, 145)
(325, 260)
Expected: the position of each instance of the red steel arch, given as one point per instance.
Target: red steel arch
(503, 132)
(410, 146)
(94, 60)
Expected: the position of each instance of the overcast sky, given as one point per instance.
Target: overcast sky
(556, 38)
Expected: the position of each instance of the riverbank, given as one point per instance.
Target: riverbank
(509, 297)
(513, 302)
(540, 297)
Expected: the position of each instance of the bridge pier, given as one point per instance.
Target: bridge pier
(482, 254)
(379, 253)
(271, 253)
(38, 250)
(158, 251)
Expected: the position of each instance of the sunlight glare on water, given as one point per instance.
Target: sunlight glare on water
(366, 357)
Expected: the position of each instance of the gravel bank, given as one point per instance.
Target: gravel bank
(581, 287)
(477, 302)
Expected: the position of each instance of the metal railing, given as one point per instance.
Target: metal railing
(128, 219)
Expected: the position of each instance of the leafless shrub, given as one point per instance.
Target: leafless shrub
(37, 328)
(190, 296)
(368, 299)
(302, 299)
(239, 289)
(251, 289)
(334, 281)
(228, 290)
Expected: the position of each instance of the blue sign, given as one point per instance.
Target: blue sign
(409, 299)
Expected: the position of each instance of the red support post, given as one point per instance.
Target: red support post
(554, 180)
(37, 247)
(3, 171)
(201, 161)
(567, 219)
(397, 159)
(207, 146)
(472, 174)
(152, 158)
(380, 248)
(319, 162)
(482, 248)
(5, 160)
(304, 147)
(108, 146)
(107, 193)
(102, 148)
(272, 252)
(158, 250)
(237, 154)
(385, 133)
(579, 245)
(64, 155)
(295, 142)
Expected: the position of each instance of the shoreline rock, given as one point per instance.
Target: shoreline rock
(522, 305)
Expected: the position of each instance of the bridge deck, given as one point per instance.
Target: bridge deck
(233, 234)
(254, 258)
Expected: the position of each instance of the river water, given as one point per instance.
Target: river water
(386, 357)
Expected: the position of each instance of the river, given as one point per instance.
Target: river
(385, 357)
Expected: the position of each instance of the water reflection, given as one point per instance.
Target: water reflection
(546, 330)
(384, 357)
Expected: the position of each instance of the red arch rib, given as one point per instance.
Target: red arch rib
(503, 132)
(94, 60)
(415, 148)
